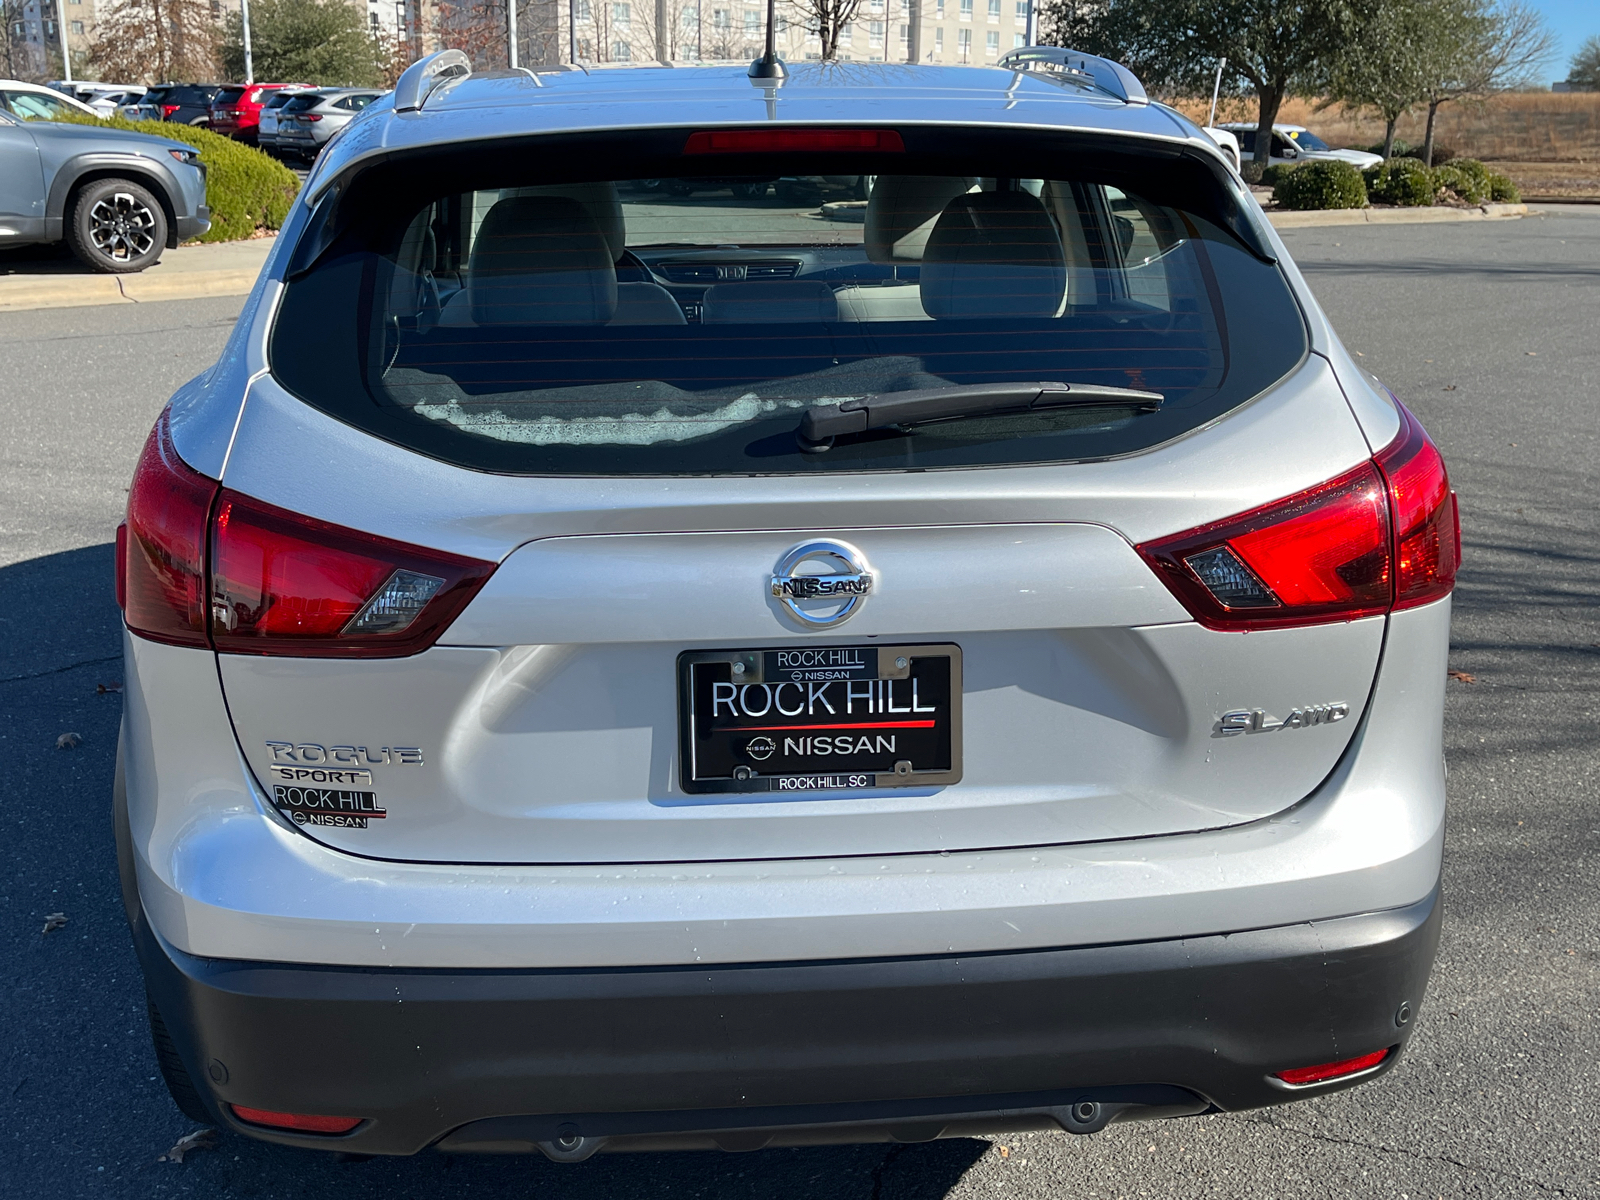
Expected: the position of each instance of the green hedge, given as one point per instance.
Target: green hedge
(1465, 178)
(245, 189)
(1402, 181)
(1329, 184)
(1502, 190)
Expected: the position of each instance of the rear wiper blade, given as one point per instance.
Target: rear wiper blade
(825, 422)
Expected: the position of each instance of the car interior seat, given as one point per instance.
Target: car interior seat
(901, 212)
(993, 254)
(540, 260)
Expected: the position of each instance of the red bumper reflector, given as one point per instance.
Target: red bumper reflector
(299, 1122)
(1300, 1076)
(763, 141)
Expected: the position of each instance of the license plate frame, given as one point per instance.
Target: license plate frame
(905, 747)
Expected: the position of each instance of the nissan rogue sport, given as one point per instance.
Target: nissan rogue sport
(610, 672)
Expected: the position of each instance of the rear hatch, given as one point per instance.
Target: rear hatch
(709, 637)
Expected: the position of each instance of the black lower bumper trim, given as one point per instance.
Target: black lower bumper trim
(566, 1061)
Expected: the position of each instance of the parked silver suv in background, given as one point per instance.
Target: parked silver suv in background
(610, 672)
(306, 121)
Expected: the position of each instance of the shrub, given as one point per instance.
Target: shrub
(1321, 185)
(245, 190)
(1402, 181)
(1502, 190)
(1401, 148)
(1273, 175)
(1465, 179)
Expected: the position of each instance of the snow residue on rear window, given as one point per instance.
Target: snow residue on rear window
(628, 429)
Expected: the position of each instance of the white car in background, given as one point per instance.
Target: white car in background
(1296, 144)
(111, 103)
(33, 101)
(1226, 142)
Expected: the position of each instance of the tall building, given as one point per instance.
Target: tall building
(929, 31)
(34, 40)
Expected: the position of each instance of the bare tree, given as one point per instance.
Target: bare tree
(157, 40)
(1481, 50)
(827, 20)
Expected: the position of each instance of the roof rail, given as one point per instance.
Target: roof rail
(1110, 77)
(424, 75)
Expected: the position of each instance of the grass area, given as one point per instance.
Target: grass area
(1516, 127)
(1553, 180)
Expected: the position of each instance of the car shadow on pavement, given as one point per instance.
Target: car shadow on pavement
(53, 258)
(81, 1097)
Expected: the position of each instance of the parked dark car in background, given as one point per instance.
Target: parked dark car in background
(236, 109)
(183, 103)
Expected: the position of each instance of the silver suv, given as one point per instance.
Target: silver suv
(612, 671)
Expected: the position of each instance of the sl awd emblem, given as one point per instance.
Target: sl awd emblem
(1258, 720)
(833, 595)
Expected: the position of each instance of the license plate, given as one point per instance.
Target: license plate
(819, 718)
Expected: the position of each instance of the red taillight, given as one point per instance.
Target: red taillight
(168, 109)
(287, 584)
(1427, 528)
(762, 141)
(1379, 537)
(161, 552)
(1319, 556)
(1322, 1073)
(298, 1122)
(311, 116)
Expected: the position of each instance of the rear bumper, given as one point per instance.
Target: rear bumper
(747, 1055)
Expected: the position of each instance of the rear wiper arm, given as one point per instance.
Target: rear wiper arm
(825, 422)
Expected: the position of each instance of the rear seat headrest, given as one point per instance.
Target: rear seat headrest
(601, 199)
(901, 212)
(993, 254)
(541, 260)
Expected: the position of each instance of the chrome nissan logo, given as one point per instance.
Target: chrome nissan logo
(819, 599)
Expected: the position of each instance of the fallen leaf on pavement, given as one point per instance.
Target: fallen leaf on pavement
(100, 689)
(200, 1139)
(54, 921)
(1463, 677)
(69, 741)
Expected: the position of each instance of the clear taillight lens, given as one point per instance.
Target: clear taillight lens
(1382, 536)
(283, 583)
(161, 548)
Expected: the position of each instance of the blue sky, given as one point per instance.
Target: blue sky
(1572, 21)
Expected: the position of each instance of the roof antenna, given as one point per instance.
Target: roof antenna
(769, 65)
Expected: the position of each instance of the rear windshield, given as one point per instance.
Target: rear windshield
(277, 99)
(683, 316)
(228, 95)
(302, 102)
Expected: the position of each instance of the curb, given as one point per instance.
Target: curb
(1396, 216)
(19, 292)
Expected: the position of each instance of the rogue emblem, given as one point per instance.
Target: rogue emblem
(848, 587)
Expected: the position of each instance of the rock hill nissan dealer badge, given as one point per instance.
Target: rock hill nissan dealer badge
(820, 718)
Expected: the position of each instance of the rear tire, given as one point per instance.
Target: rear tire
(117, 226)
(184, 1094)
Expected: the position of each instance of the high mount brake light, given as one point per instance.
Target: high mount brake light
(279, 583)
(297, 1122)
(161, 546)
(1327, 1072)
(1380, 537)
(762, 141)
(287, 584)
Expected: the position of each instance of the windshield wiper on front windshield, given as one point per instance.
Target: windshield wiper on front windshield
(822, 424)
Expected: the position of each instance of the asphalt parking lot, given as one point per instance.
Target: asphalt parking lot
(1491, 331)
